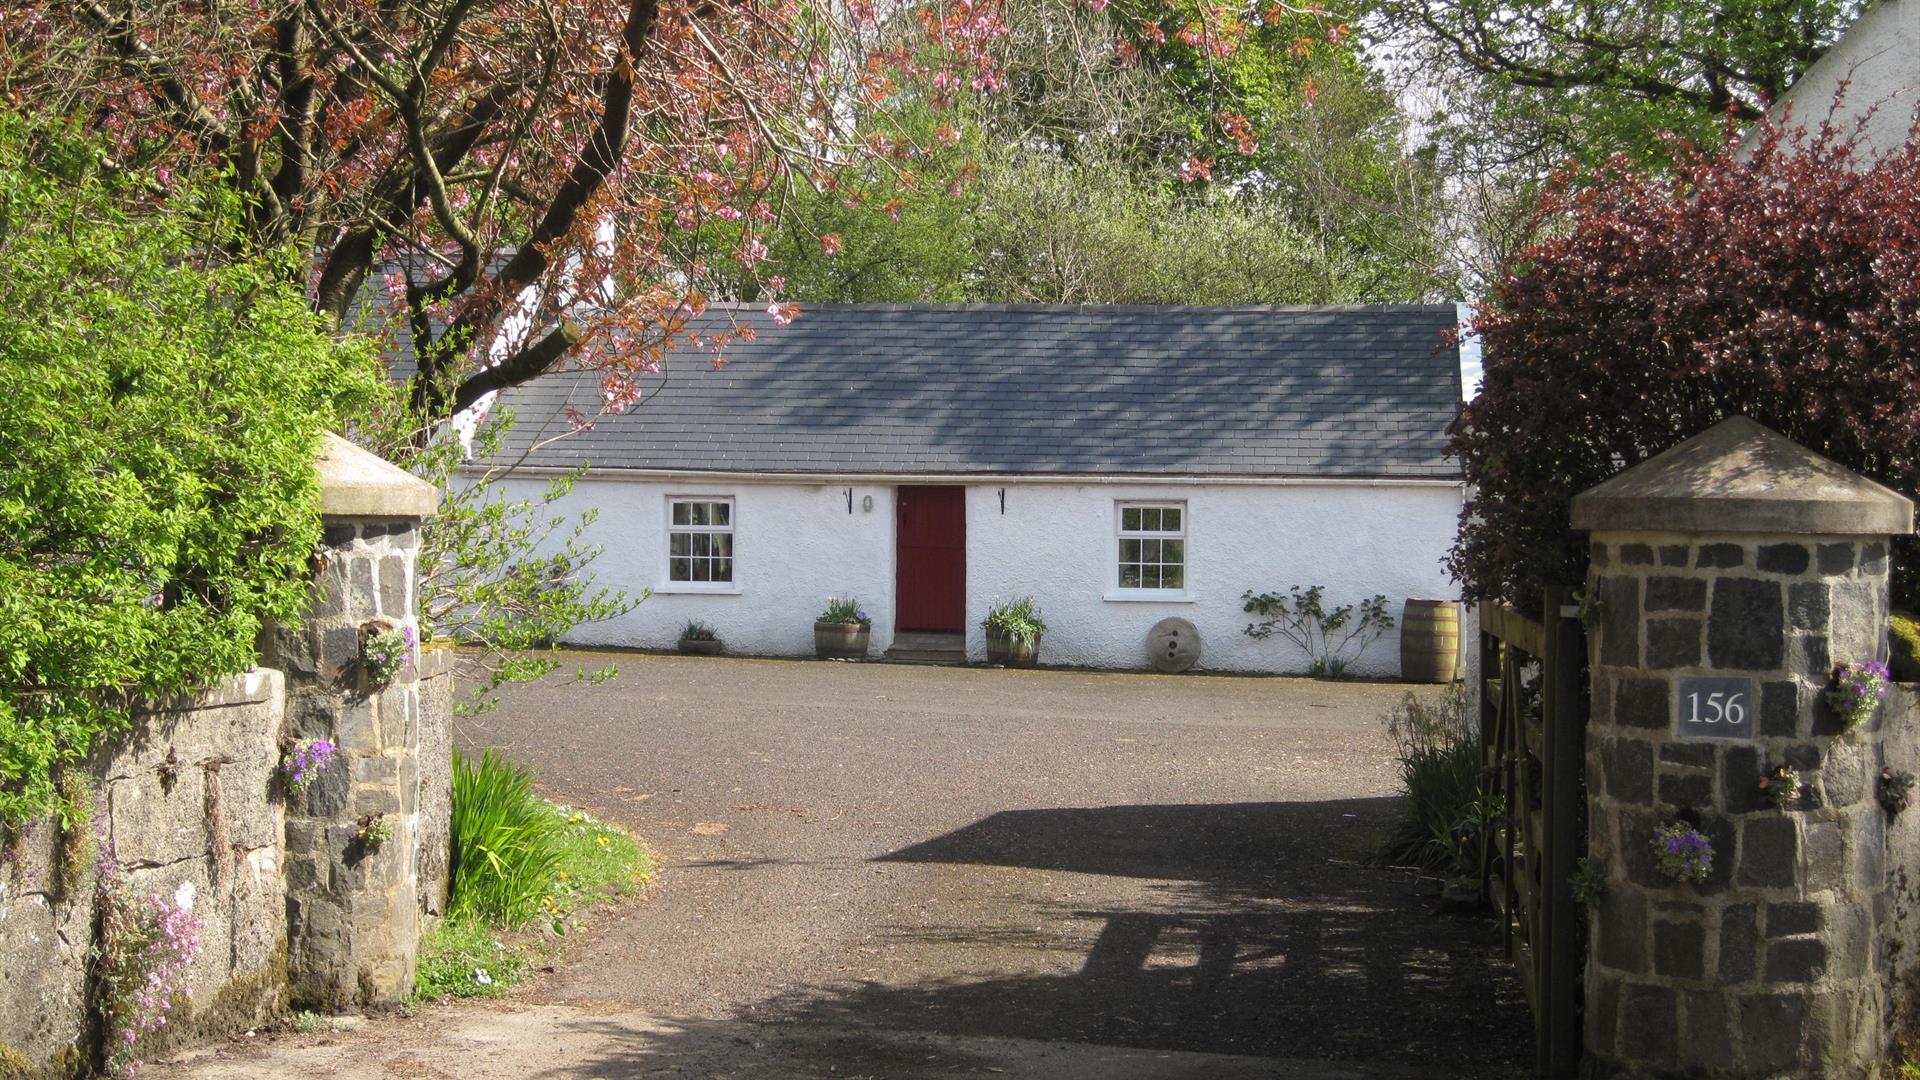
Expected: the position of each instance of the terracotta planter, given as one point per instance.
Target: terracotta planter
(841, 641)
(710, 647)
(1007, 652)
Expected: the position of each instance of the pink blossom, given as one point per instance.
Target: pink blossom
(830, 243)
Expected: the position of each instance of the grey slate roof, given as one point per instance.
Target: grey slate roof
(1046, 390)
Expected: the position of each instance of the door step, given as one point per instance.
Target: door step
(919, 648)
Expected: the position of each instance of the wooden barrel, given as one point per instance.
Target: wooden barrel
(1430, 641)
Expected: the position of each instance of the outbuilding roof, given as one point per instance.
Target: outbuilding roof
(1347, 392)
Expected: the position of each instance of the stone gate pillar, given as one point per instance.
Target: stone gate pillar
(353, 910)
(1729, 576)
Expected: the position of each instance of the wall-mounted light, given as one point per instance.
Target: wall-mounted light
(1003, 500)
(849, 500)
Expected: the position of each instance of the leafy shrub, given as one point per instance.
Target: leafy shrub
(1018, 621)
(695, 630)
(1325, 636)
(1446, 814)
(1783, 283)
(505, 848)
(159, 420)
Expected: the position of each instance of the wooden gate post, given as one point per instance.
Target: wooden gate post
(1729, 576)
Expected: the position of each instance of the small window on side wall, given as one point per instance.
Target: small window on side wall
(700, 542)
(1153, 545)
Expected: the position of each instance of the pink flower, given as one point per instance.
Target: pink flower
(830, 243)
(1195, 169)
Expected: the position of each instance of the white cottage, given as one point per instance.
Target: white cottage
(1118, 464)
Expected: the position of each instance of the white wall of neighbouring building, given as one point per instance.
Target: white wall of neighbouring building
(1870, 76)
(796, 544)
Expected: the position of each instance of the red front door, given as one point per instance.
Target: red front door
(931, 585)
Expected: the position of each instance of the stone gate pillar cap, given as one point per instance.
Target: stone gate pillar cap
(1741, 477)
(355, 483)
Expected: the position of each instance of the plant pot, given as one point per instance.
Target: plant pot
(1008, 652)
(709, 647)
(841, 641)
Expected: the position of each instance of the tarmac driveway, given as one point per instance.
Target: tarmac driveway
(872, 870)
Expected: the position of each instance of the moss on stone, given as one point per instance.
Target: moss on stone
(14, 1065)
(245, 1002)
(77, 845)
(1904, 636)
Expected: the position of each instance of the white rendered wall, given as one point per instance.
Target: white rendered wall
(795, 544)
(1878, 60)
(1056, 543)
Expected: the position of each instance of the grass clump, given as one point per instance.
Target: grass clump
(463, 958)
(516, 858)
(1446, 813)
(506, 847)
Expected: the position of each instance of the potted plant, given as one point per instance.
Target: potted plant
(1013, 632)
(841, 632)
(699, 639)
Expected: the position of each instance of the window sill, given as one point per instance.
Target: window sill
(689, 588)
(1149, 596)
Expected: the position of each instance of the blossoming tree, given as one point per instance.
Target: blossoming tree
(528, 179)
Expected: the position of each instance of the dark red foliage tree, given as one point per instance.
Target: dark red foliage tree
(1781, 281)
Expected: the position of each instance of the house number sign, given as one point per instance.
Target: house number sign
(1714, 708)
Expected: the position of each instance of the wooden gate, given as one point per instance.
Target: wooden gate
(1533, 722)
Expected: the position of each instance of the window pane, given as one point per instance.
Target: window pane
(1150, 518)
(1173, 552)
(700, 513)
(1129, 576)
(722, 513)
(680, 570)
(1170, 519)
(702, 570)
(1130, 518)
(723, 570)
(677, 543)
(1150, 551)
(1129, 551)
(1149, 577)
(680, 513)
(701, 545)
(1173, 577)
(722, 544)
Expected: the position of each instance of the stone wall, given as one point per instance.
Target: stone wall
(184, 800)
(296, 906)
(1900, 924)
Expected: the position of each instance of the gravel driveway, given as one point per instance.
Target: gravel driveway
(872, 870)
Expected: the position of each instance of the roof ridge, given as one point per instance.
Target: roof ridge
(1435, 307)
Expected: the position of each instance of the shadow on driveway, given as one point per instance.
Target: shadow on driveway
(1262, 929)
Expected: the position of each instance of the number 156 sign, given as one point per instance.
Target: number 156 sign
(1715, 708)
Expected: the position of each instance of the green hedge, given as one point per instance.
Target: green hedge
(159, 416)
